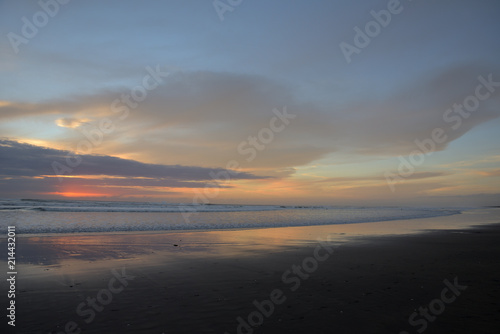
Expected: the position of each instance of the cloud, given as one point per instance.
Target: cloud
(196, 117)
(28, 168)
(489, 173)
(414, 176)
(466, 201)
(200, 118)
(43, 187)
(29, 160)
(391, 126)
(68, 122)
(12, 110)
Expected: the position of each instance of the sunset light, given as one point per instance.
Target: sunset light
(250, 166)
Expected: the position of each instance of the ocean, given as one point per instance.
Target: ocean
(69, 216)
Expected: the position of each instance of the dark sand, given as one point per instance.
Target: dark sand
(369, 284)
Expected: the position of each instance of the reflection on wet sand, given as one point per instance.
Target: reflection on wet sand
(184, 279)
(152, 246)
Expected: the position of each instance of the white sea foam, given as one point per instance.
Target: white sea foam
(34, 216)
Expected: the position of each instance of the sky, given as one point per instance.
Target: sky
(257, 102)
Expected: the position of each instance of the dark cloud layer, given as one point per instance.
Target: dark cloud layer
(19, 159)
(28, 168)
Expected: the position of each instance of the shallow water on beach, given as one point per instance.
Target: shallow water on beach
(57, 248)
(59, 270)
(34, 217)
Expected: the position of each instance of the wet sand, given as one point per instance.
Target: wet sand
(366, 278)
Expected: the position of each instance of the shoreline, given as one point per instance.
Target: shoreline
(371, 283)
(372, 228)
(126, 222)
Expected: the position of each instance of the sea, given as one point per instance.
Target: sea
(34, 216)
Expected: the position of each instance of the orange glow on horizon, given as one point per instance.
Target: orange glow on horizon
(77, 194)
